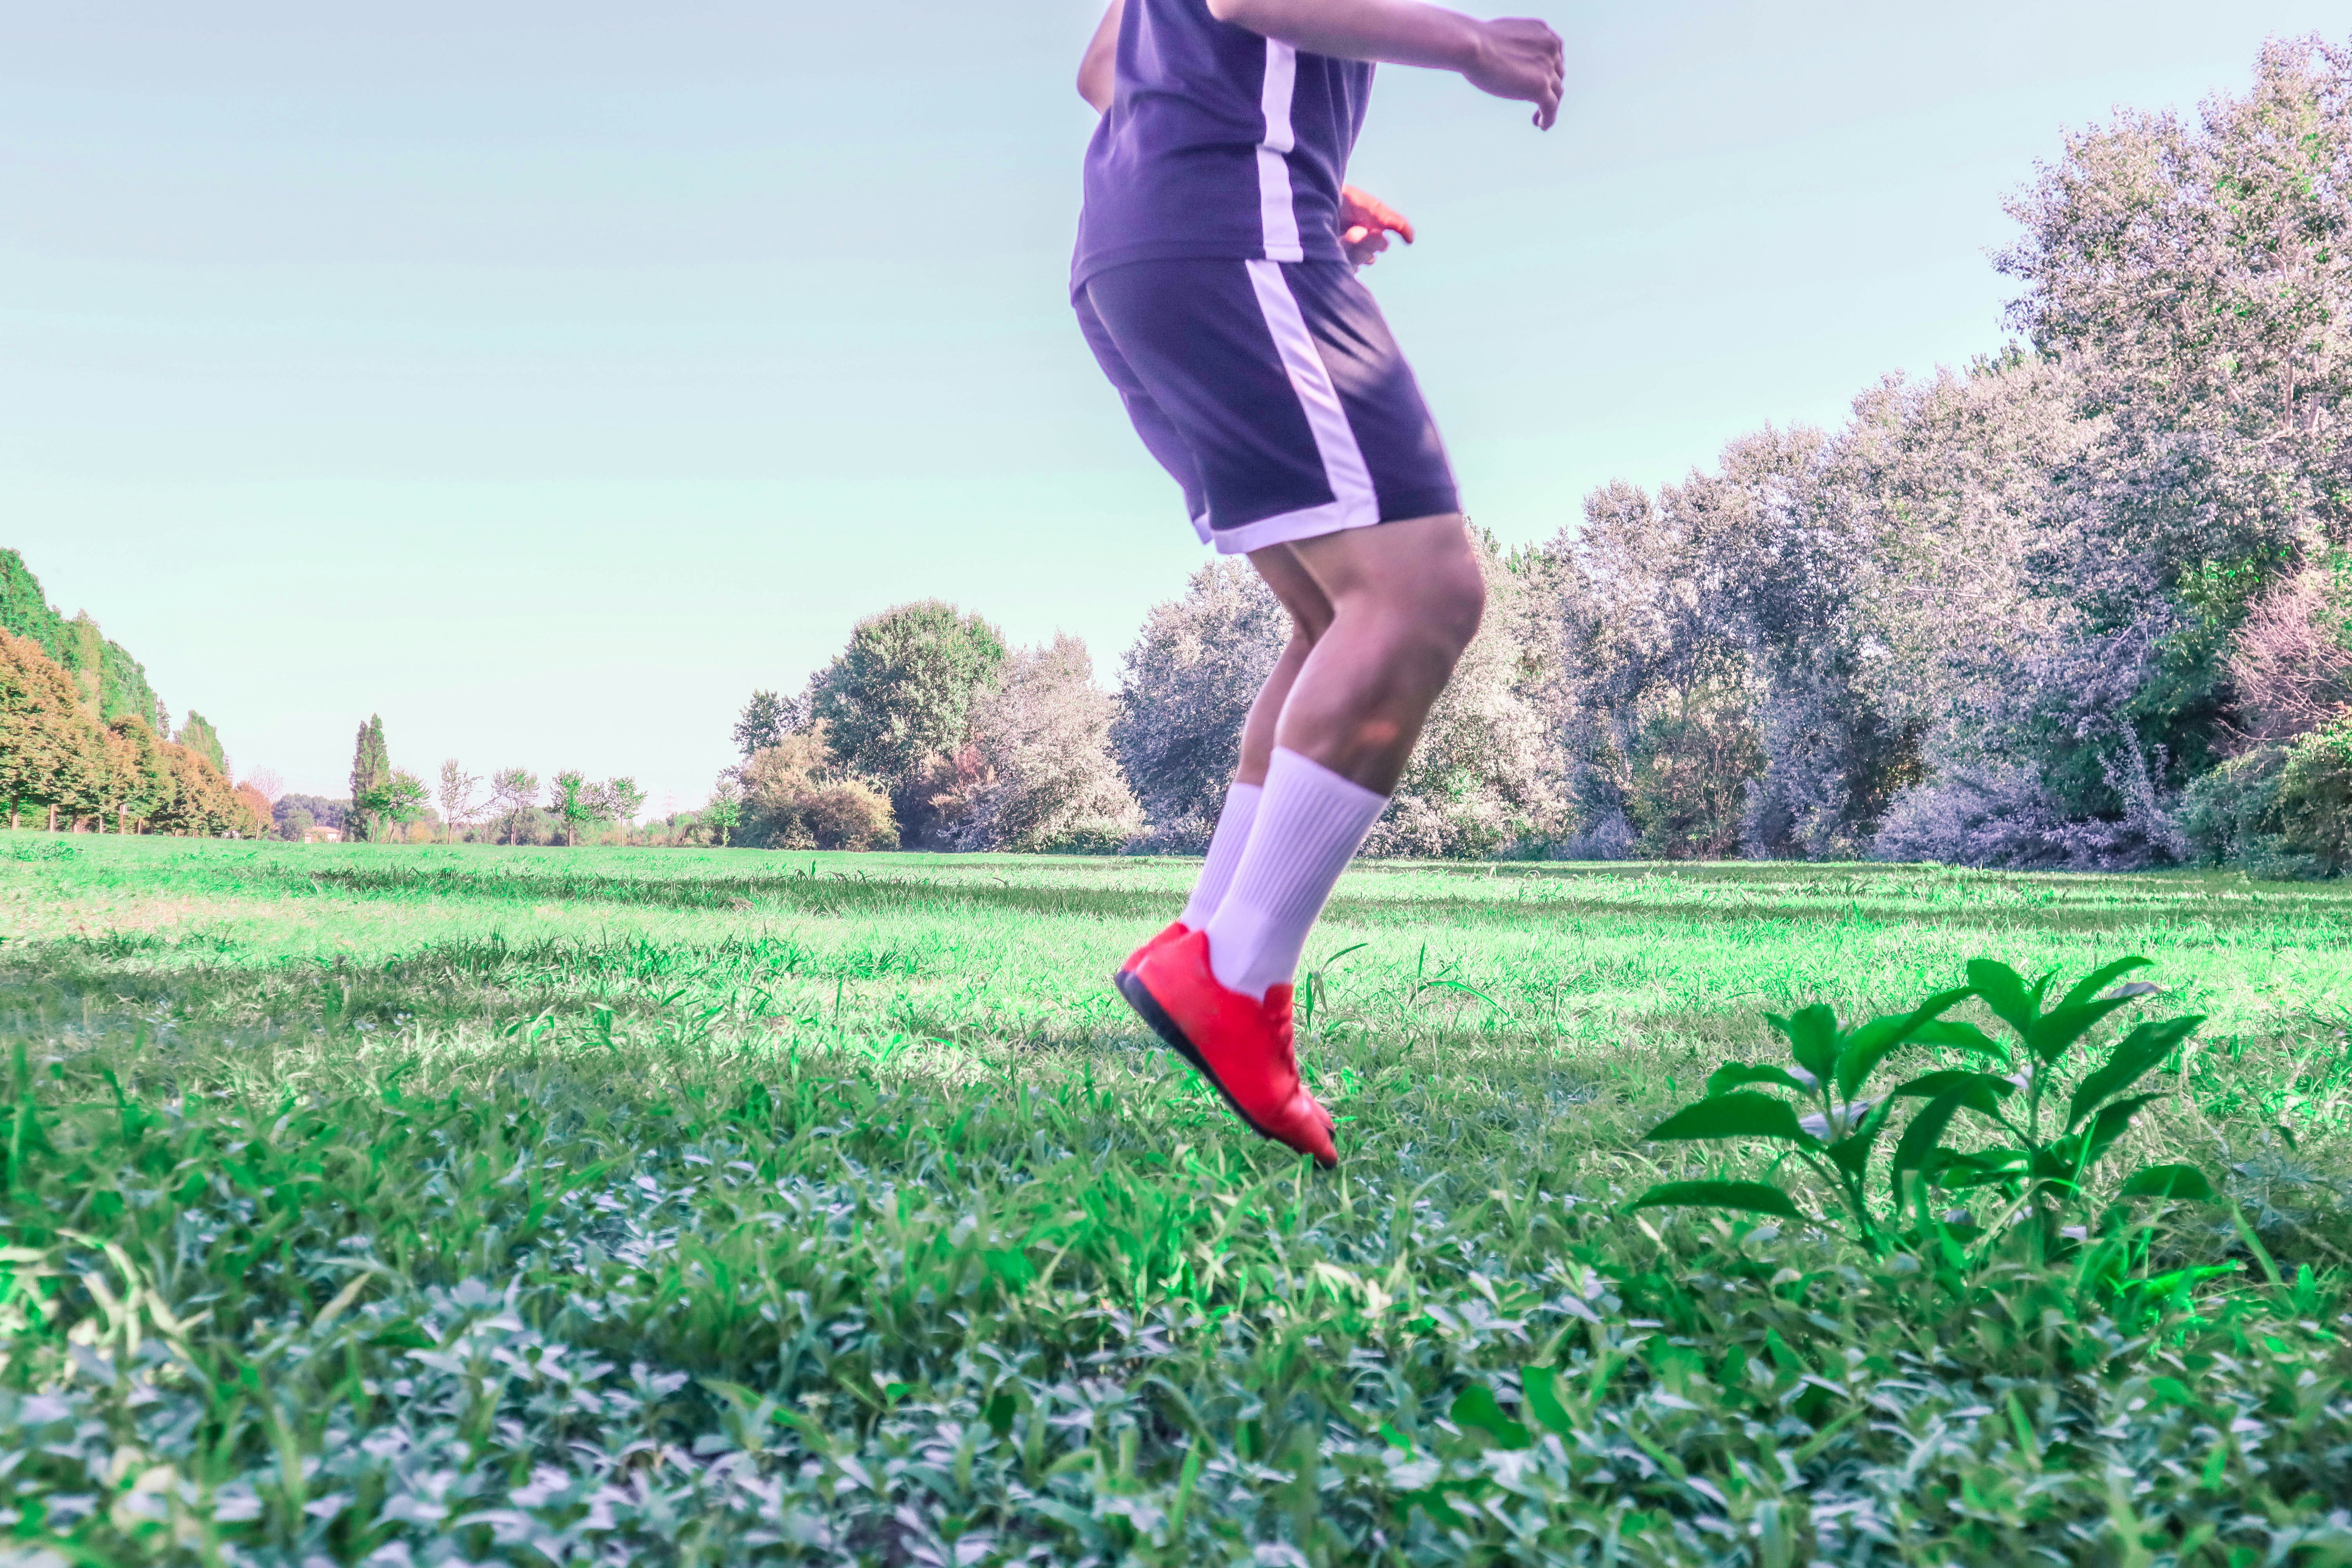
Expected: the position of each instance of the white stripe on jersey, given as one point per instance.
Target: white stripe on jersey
(1275, 212)
(1354, 504)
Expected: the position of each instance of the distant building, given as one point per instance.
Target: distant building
(316, 834)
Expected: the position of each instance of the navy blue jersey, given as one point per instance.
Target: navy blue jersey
(1218, 142)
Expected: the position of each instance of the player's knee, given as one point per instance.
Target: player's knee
(1452, 602)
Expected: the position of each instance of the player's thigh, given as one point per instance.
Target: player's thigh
(1422, 568)
(1310, 609)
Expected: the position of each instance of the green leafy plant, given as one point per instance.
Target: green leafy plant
(399, 798)
(2050, 1124)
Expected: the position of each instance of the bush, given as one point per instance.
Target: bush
(2230, 816)
(2278, 812)
(795, 798)
(2314, 804)
(1100, 836)
(2005, 813)
(846, 817)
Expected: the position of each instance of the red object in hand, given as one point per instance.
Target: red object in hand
(1242, 1046)
(1365, 223)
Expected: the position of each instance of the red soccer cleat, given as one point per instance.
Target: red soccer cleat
(1240, 1046)
(1174, 929)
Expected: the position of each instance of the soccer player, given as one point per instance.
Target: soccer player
(1215, 282)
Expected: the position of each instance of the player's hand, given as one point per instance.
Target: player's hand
(1521, 58)
(1365, 224)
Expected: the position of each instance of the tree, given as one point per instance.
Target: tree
(1047, 779)
(724, 814)
(370, 776)
(197, 735)
(142, 778)
(616, 800)
(459, 805)
(51, 753)
(83, 655)
(399, 799)
(512, 791)
(901, 696)
(766, 720)
(112, 683)
(1185, 688)
(568, 798)
(321, 811)
(199, 802)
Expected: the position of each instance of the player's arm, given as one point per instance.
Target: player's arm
(1516, 59)
(1098, 72)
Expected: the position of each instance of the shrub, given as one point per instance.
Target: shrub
(1100, 835)
(795, 797)
(2315, 796)
(846, 816)
(2007, 813)
(2230, 817)
(2281, 812)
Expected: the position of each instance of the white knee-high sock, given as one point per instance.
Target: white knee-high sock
(1309, 823)
(1225, 853)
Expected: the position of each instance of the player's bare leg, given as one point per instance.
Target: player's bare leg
(1402, 600)
(1309, 614)
(1383, 616)
(1261, 375)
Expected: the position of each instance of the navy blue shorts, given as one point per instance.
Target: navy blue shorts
(1273, 394)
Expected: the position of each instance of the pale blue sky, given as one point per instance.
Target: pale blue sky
(546, 377)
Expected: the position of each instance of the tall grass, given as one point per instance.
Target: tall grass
(428, 1205)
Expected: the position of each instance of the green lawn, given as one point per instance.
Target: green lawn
(464, 1204)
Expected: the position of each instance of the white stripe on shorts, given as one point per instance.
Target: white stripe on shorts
(1276, 212)
(1354, 504)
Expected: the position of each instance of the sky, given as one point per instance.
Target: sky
(545, 379)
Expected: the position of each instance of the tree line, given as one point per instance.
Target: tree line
(2086, 603)
(84, 738)
(392, 804)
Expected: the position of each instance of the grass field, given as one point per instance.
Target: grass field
(418, 1206)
